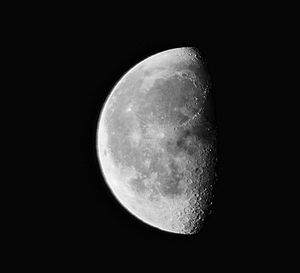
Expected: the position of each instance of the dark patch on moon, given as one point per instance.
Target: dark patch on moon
(137, 185)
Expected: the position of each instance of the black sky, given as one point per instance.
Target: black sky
(86, 59)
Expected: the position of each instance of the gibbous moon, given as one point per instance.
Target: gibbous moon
(156, 141)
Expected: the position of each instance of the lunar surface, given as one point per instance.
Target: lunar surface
(156, 141)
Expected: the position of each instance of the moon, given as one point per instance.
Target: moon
(156, 141)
